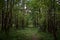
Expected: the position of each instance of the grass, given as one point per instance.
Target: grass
(26, 34)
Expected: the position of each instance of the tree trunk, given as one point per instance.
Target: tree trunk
(51, 20)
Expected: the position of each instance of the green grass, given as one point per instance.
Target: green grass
(26, 34)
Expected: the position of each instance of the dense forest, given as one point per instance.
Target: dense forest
(29, 19)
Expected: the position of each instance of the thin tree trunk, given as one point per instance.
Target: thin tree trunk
(51, 20)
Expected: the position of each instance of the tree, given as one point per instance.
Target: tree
(7, 15)
(51, 19)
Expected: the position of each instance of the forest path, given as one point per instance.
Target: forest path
(29, 31)
(30, 34)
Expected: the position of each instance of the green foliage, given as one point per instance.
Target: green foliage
(26, 34)
(38, 12)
